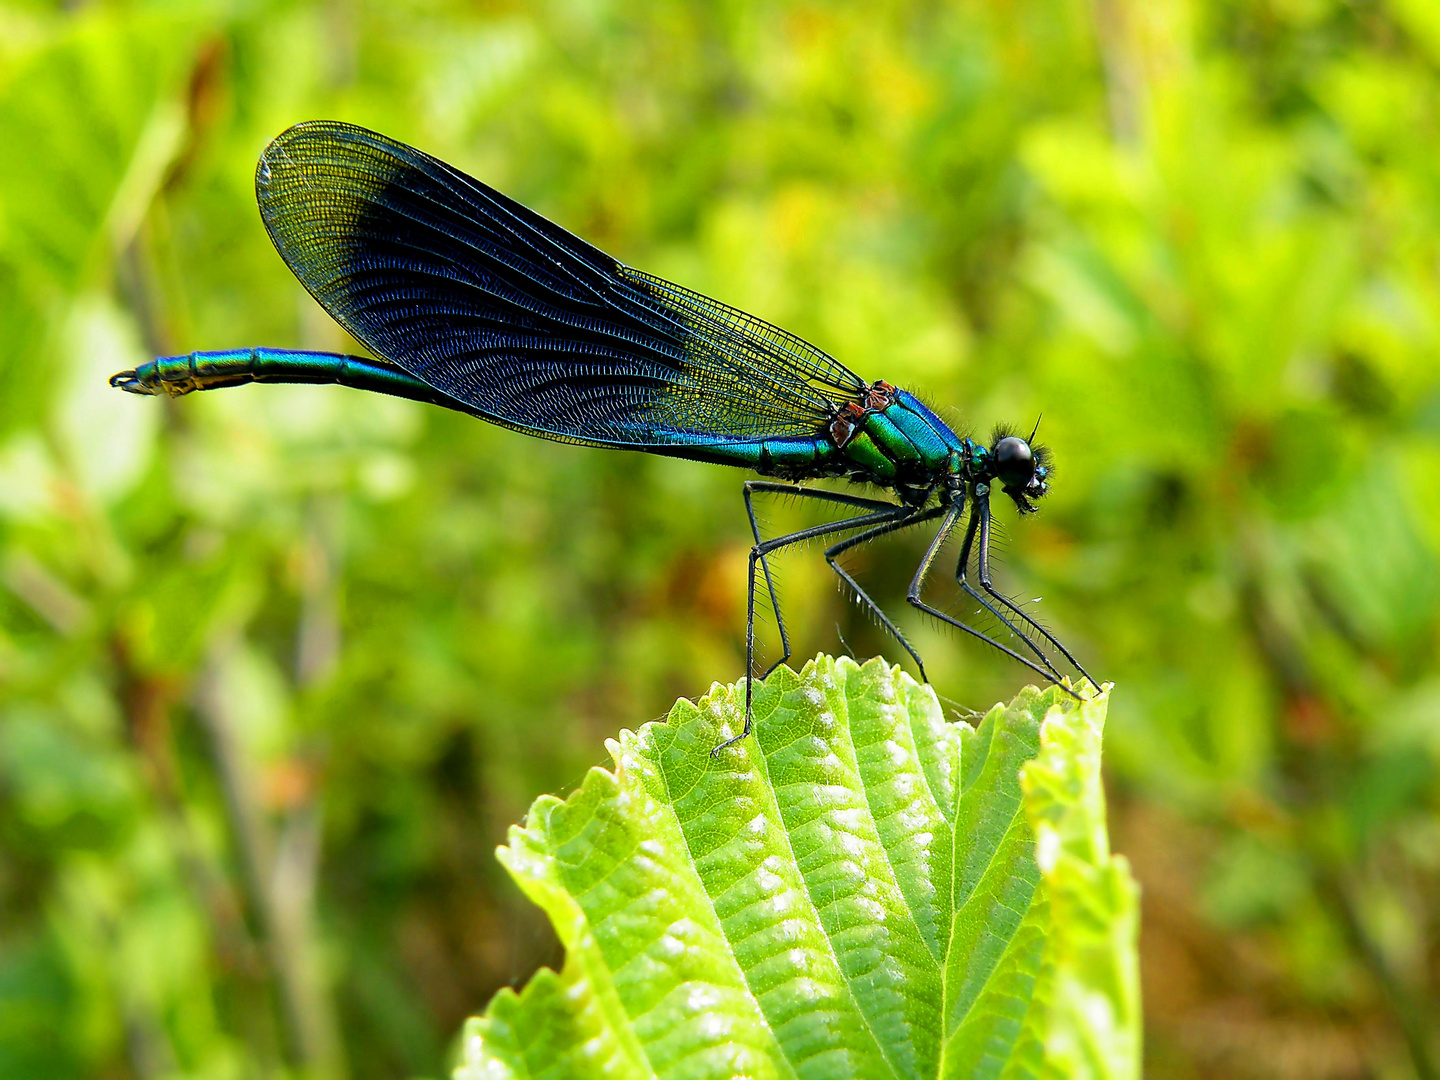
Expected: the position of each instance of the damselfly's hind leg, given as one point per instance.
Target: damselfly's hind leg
(917, 585)
(879, 511)
(833, 552)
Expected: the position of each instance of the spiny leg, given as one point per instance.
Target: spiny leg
(983, 572)
(835, 550)
(757, 554)
(770, 487)
(961, 578)
(917, 583)
(884, 512)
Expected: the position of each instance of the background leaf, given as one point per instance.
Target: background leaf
(825, 900)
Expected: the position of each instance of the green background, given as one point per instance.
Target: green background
(278, 665)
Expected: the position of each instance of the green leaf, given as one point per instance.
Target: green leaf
(1093, 1027)
(854, 891)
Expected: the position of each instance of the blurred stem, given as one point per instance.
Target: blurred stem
(1409, 1008)
(279, 882)
(342, 58)
(279, 885)
(1292, 673)
(1122, 74)
(146, 701)
(135, 271)
(148, 1045)
(318, 647)
(46, 595)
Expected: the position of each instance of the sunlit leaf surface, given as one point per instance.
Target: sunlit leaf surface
(852, 892)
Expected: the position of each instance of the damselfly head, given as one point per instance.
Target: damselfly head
(1022, 469)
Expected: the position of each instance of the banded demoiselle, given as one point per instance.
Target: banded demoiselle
(469, 300)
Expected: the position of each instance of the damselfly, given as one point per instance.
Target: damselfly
(468, 300)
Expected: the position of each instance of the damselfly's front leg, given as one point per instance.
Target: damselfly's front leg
(980, 512)
(917, 585)
(983, 572)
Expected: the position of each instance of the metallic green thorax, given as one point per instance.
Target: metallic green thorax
(902, 441)
(888, 438)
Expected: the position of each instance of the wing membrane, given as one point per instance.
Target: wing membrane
(523, 321)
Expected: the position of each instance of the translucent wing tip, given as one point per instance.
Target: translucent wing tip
(308, 139)
(313, 181)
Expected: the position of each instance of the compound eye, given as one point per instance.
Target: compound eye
(1014, 462)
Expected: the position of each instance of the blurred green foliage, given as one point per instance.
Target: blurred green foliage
(279, 665)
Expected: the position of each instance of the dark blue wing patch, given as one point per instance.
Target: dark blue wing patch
(526, 323)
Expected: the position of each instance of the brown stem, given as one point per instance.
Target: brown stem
(279, 885)
(146, 701)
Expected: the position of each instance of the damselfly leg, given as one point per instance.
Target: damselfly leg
(880, 513)
(983, 572)
(917, 585)
(962, 579)
(835, 550)
(881, 519)
(772, 488)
